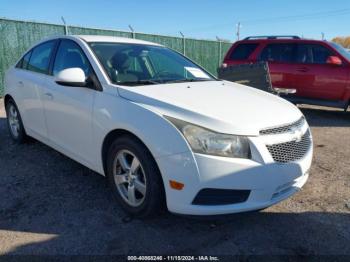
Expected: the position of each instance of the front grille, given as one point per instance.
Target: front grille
(291, 151)
(284, 128)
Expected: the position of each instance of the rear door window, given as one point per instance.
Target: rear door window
(40, 58)
(243, 51)
(304, 54)
(284, 53)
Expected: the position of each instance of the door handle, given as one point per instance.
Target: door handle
(49, 95)
(20, 84)
(303, 69)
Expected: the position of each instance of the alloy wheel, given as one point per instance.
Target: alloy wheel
(14, 122)
(130, 178)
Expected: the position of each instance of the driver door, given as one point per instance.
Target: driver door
(68, 109)
(314, 77)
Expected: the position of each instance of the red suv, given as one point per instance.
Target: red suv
(318, 70)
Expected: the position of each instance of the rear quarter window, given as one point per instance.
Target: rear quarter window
(243, 51)
(40, 58)
(23, 63)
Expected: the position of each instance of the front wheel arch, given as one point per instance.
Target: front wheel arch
(109, 139)
(154, 198)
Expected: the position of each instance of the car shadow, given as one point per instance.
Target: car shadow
(326, 117)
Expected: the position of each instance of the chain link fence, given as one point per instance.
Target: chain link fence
(17, 36)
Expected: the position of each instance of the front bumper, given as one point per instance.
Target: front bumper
(268, 182)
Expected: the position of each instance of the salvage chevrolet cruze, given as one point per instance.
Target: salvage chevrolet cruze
(163, 130)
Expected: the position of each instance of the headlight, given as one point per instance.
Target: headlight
(208, 142)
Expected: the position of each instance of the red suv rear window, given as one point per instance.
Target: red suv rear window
(243, 51)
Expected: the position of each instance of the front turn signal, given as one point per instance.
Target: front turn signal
(176, 185)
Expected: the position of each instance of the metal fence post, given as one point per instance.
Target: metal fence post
(183, 43)
(220, 50)
(65, 26)
(132, 31)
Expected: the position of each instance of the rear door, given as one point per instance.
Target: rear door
(68, 109)
(314, 78)
(280, 58)
(32, 75)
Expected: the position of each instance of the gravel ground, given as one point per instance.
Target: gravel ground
(52, 205)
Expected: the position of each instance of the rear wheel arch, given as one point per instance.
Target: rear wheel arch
(14, 120)
(7, 98)
(346, 98)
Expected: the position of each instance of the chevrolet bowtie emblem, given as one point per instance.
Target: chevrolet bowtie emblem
(297, 134)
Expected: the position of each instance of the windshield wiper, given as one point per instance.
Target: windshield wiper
(139, 82)
(182, 80)
(162, 81)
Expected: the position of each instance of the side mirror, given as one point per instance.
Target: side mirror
(71, 77)
(334, 60)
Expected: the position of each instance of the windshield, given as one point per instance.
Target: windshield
(135, 64)
(341, 50)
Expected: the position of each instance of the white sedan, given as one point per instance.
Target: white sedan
(164, 131)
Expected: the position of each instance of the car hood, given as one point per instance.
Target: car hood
(221, 106)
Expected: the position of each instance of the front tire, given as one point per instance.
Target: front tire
(134, 177)
(14, 122)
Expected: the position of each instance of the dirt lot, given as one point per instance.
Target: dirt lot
(52, 205)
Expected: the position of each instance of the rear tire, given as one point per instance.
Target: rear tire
(14, 122)
(134, 177)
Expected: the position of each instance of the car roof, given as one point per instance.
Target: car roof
(282, 40)
(95, 38)
(113, 39)
(101, 39)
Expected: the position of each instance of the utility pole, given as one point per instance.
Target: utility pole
(238, 30)
(322, 35)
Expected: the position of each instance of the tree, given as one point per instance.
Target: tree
(344, 41)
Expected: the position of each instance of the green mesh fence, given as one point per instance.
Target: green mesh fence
(17, 36)
(74, 30)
